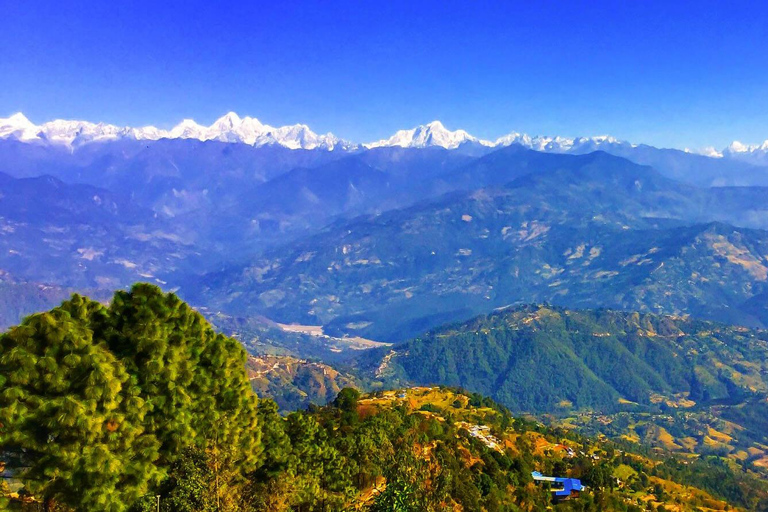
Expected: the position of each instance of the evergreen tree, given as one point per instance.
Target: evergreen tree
(72, 412)
(192, 378)
(277, 444)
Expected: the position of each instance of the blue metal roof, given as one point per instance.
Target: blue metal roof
(569, 484)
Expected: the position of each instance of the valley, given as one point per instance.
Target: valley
(670, 384)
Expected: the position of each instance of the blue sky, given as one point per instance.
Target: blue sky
(672, 74)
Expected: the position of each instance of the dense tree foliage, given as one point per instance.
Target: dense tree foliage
(72, 417)
(97, 403)
(192, 376)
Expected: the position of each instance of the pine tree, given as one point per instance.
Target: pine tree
(97, 403)
(192, 378)
(72, 413)
(277, 445)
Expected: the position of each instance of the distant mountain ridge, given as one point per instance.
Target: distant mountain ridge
(249, 130)
(81, 236)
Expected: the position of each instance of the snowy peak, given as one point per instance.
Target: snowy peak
(19, 120)
(751, 153)
(188, 129)
(18, 127)
(57, 132)
(228, 128)
(709, 151)
(435, 134)
(228, 121)
(249, 130)
(427, 135)
(560, 144)
(79, 132)
(739, 147)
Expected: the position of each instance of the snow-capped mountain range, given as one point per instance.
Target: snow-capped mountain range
(249, 130)
(435, 134)
(228, 128)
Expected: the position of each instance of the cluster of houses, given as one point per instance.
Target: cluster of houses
(483, 434)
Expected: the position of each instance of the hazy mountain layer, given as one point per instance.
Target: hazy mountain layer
(175, 210)
(585, 231)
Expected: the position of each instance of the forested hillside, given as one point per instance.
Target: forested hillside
(597, 359)
(141, 405)
(676, 383)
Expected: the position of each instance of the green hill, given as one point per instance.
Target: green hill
(594, 359)
(674, 383)
(295, 383)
